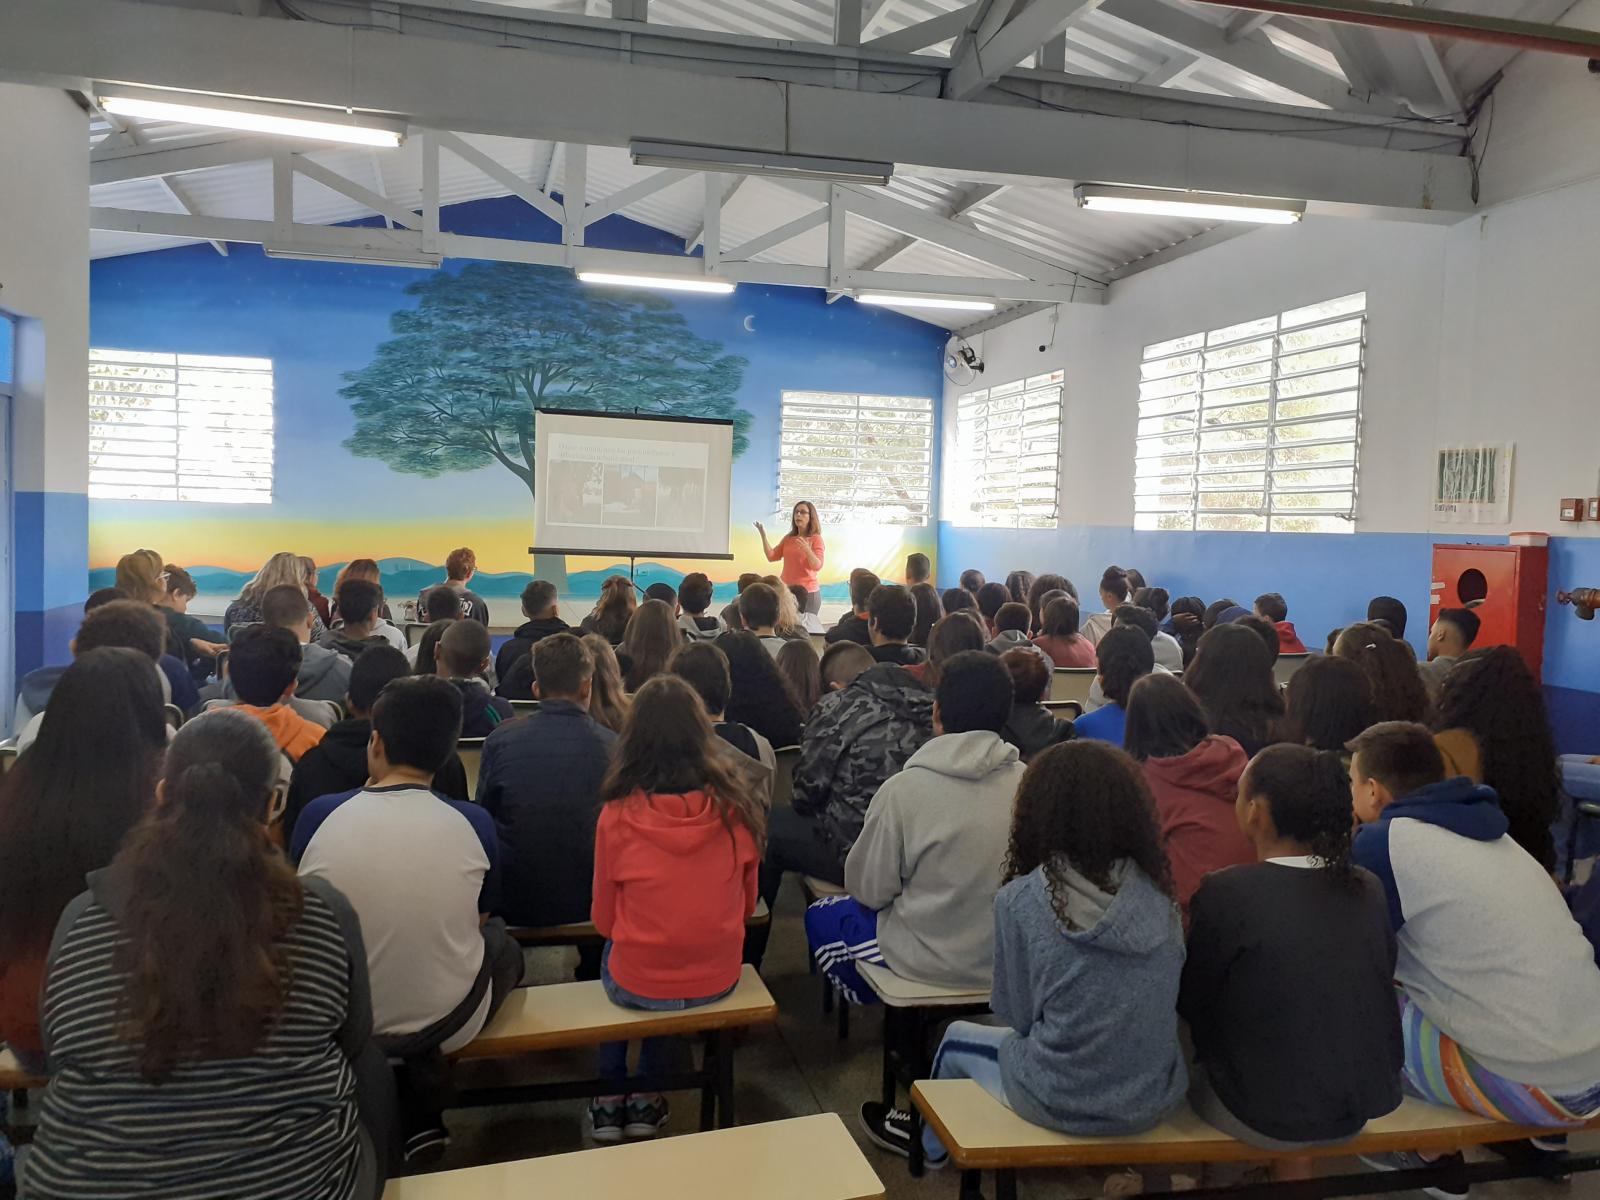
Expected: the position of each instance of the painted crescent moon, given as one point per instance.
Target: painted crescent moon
(750, 324)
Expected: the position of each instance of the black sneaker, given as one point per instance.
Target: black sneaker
(427, 1146)
(605, 1121)
(1410, 1160)
(645, 1116)
(887, 1127)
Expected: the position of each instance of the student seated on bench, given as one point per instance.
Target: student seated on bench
(1288, 988)
(1087, 956)
(694, 597)
(206, 1012)
(1498, 987)
(338, 763)
(542, 609)
(540, 781)
(263, 665)
(705, 668)
(63, 813)
(852, 627)
(421, 872)
(675, 855)
(463, 657)
(923, 873)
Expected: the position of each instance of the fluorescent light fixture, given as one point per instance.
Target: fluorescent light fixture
(365, 256)
(667, 283)
(759, 162)
(925, 302)
(1201, 206)
(257, 119)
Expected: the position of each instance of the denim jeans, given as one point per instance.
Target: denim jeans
(653, 1052)
(968, 1051)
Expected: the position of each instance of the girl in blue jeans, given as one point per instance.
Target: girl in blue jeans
(1088, 946)
(677, 845)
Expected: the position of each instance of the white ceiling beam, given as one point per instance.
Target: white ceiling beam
(356, 240)
(1172, 71)
(923, 34)
(998, 45)
(964, 202)
(129, 161)
(574, 192)
(730, 189)
(1214, 236)
(630, 10)
(847, 22)
(1015, 313)
(349, 188)
(952, 235)
(657, 182)
(505, 176)
(378, 185)
(711, 220)
(1243, 24)
(776, 237)
(1254, 54)
(186, 202)
(125, 134)
(442, 83)
(1053, 54)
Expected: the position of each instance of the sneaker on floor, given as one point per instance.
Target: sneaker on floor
(1555, 1143)
(1410, 1160)
(426, 1146)
(645, 1116)
(605, 1121)
(887, 1127)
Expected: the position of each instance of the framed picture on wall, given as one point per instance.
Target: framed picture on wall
(1472, 485)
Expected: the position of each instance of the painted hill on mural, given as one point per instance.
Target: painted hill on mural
(404, 578)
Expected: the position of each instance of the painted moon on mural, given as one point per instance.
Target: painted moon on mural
(750, 324)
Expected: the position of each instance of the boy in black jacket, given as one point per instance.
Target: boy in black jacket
(339, 762)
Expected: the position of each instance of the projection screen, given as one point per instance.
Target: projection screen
(632, 485)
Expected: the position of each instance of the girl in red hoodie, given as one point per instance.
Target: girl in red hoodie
(1193, 775)
(677, 845)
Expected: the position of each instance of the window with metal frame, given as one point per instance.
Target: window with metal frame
(180, 427)
(1005, 467)
(1256, 427)
(859, 459)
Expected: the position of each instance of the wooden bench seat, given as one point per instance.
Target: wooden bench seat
(583, 932)
(13, 1078)
(983, 1134)
(804, 1158)
(558, 1016)
(898, 992)
(564, 1016)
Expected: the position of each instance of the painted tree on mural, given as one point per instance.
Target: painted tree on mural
(456, 387)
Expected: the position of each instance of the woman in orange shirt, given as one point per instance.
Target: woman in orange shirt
(801, 550)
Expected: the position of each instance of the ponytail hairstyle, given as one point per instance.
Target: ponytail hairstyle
(212, 901)
(1398, 693)
(1307, 793)
(668, 747)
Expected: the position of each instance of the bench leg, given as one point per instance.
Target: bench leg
(844, 1020)
(971, 1186)
(726, 1118)
(827, 995)
(1005, 1185)
(711, 1067)
(917, 1067)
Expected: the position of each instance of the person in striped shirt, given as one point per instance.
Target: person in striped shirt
(205, 1011)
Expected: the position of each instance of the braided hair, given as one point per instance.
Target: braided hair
(1307, 793)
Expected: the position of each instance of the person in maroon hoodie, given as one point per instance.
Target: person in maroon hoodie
(1273, 607)
(1193, 775)
(676, 849)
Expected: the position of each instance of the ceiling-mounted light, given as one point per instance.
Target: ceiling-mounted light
(759, 162)
(666, 283)
(925, 302)
(365, 256)
(1200, 206)
(252, 118)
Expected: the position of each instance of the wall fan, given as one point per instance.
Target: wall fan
(961, 362)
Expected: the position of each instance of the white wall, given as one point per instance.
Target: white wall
(1488, 330)
(44, 275)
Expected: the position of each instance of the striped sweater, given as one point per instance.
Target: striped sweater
(279, 1125)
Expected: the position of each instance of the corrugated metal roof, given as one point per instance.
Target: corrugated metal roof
(1042, 221)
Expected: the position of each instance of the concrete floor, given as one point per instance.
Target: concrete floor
(792, 1069)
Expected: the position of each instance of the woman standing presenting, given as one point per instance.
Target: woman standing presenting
(801, 550)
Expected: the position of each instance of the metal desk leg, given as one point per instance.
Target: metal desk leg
(710, 1066)
(725, 1111)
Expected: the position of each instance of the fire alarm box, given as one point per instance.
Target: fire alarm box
(1594, 508)
(1573, 509)
(1505, 586)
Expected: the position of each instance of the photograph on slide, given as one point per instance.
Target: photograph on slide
(607, 482)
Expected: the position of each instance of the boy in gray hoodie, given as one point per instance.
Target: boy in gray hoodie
(923, 873)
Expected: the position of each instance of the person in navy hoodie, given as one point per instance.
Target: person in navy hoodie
(1498, 989)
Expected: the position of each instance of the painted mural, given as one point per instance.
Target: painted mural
(404, 400)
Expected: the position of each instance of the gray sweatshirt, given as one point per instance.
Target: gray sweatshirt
(930, 855)
(1094, 1007)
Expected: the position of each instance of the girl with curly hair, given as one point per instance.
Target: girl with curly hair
(1088, 947)
(1293, 950)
